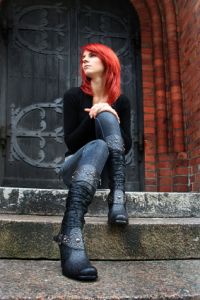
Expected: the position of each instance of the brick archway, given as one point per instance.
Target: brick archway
(165, 157)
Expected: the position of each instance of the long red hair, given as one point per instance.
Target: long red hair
(112, 71)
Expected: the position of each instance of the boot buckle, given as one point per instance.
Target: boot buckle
(73, 240)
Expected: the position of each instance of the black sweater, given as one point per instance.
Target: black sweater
(79, 128)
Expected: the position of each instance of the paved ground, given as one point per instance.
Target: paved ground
(29, 279)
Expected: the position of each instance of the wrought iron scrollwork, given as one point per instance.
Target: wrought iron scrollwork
(104, 32)
(18, 132)
(130, 156)
(127, 74)
(44, 28)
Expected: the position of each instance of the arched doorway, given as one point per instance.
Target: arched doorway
(43, 42)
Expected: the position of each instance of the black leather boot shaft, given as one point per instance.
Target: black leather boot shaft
(117, 169)
(116, 199)
(80, 196)
(117, 214)
(74, 260)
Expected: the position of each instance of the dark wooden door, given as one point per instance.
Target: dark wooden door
(44, 38)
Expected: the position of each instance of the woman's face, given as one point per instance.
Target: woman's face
(92, 65)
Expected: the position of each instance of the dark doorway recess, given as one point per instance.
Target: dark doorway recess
(40, 61)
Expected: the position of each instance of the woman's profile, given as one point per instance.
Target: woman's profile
(97, 134)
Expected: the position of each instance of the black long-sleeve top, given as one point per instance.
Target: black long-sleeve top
(79, 128)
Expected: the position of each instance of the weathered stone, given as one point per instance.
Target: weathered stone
(143, 238)
(164, 204)
(136, 280)
(139, 204)
(32, 201)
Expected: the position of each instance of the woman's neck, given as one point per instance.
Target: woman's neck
(97, 86)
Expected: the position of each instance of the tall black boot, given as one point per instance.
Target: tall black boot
(74, 260)
(116, 199)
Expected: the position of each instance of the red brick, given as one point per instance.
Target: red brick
(181, 180)
(166, 188)
(181, 171)
(150, 188)
(165, 181)
(164, 164)
(188, 14)
(180, 188)
(161, 94)
(150, 166)
(165, 172)
(150, 158)
(150, 174)
(150, 181)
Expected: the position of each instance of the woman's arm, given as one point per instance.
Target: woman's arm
(100, 107)
(75, 131)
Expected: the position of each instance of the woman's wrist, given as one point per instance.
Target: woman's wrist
(101, 107)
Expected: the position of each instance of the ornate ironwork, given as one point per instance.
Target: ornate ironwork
(127, 77)
(41, 30)
(17, 132)
(105, 33)
(130, 156)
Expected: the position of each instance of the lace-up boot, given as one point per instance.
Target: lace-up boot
(74, 260)
(116, 199)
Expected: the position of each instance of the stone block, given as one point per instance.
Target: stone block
(144, 238)
(139, 204)
(118, 280)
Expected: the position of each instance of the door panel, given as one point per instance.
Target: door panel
(44, 39)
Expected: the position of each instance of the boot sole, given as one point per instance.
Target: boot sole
(118, 222)
(87, 278)
(82, 278)
(119, 219)
(121, 222)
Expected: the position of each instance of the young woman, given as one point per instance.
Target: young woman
(97, 133)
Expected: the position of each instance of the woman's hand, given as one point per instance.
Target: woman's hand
(100, 107)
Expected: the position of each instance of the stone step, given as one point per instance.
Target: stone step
(141, 280)
(23, 236)
(139, 204)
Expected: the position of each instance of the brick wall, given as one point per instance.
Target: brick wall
(189, 48)
(166, 163)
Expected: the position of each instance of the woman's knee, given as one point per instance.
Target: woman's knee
(97, 146)
(95, 153)
(101, 144)
(101, 147)
(106, 124)
(107, 116)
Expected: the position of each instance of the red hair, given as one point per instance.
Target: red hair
(112, 71)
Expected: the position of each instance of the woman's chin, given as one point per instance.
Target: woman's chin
(88, 74)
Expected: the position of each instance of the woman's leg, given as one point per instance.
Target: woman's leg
(74, 259)
(107, 128)
(69, 166)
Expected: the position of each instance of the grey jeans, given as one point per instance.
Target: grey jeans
(96, 152)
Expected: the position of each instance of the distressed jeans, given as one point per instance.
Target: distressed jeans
(94, 154)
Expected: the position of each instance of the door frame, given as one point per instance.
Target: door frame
(140, 105)
(3, 92)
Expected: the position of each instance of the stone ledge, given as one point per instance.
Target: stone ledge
(143, 238)
(139, 204)
(141, 280)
